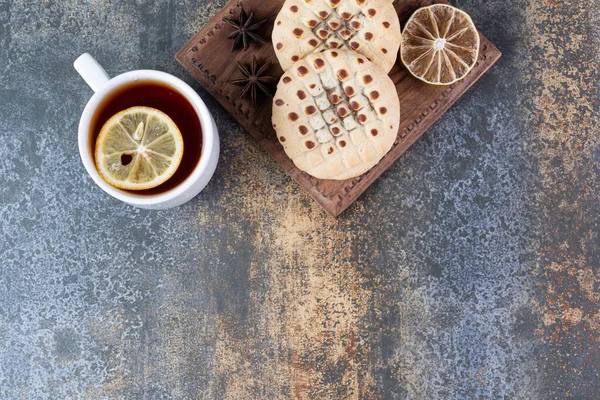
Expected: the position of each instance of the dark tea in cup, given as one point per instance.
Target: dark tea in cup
(158, 95)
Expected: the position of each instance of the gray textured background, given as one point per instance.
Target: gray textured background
(469, 270)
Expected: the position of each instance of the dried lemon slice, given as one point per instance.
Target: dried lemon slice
(138, 149)
(440, 44)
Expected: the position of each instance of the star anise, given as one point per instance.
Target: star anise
(244, 30)
(253, 80)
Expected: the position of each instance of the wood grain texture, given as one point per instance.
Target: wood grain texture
(208, 57)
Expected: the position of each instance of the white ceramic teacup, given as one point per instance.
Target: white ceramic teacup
(104, 86)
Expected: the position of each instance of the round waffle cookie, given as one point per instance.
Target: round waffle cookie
(336, 114)
(369, 27)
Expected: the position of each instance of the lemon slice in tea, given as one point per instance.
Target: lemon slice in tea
(440, 44)
(138, 149)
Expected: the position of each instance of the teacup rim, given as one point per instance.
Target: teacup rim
(206, 123)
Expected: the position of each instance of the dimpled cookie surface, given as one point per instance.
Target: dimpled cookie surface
(369, 27)
(336, 114)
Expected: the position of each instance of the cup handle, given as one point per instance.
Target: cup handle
(92, 72)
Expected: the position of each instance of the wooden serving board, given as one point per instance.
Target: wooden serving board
(209, 59)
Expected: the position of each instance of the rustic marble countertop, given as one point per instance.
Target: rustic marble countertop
(471, 269)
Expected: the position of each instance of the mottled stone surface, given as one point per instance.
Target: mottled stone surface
(471, 269)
